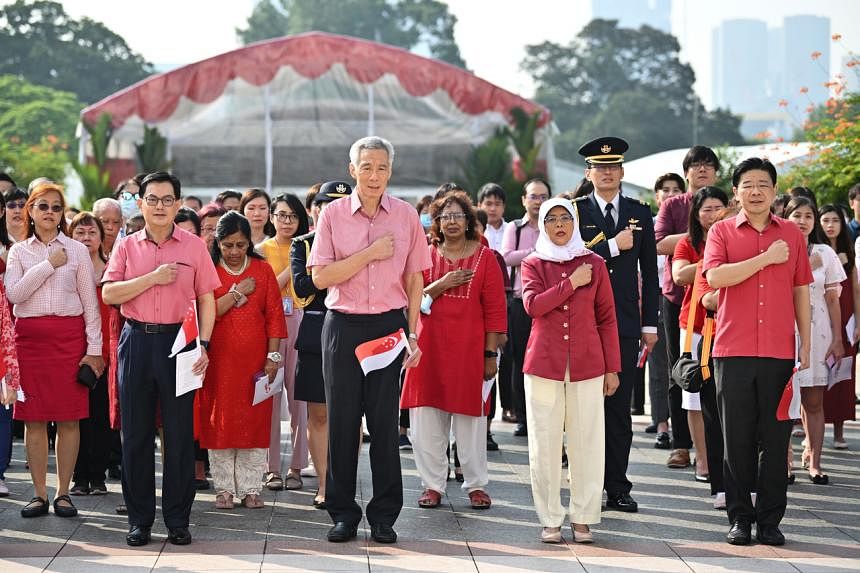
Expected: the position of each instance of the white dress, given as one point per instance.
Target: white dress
(830, 272)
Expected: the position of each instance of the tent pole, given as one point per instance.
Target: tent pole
(267, 108)
(371, 120)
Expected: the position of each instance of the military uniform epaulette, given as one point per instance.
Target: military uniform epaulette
(304, 237)
(577, 199)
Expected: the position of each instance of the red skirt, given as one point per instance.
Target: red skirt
(49, 351)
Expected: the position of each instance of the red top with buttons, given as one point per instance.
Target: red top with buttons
(756, 316)
(571, 328)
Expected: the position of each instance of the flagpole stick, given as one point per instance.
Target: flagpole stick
(197, 320)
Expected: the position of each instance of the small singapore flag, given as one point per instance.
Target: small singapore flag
(380, 352)
(189, 330)
(789, 404)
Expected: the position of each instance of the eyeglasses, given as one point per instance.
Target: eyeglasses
(702, 165)
(15, 204)
(286, 217)
(44, 207)
(563, 219)
(152, 200)
(540, 198)
(451, 217)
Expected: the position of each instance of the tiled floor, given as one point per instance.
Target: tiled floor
(676, 528)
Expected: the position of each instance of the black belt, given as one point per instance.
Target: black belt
(150, 328)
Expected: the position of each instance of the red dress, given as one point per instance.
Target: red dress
(237, 351)
(839, 400)
(451, 371)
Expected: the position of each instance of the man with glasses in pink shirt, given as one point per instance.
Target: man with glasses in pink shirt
(369, 252)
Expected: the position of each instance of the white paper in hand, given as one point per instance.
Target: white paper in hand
(485, 389)
(186, 380)
(263, 389)
(849, 330)
(840, 371)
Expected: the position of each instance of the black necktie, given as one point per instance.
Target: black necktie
(610, 222)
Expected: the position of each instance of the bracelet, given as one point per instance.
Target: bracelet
(490, 354)
(237, 296)
(413, 336)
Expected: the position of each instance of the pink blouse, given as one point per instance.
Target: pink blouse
(38, 289)
(7, 344)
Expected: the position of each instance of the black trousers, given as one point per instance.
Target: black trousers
(506, 373)
(748, 393)
(96, 438)
(349, 394)
(680, 428)
(637, 400)
(713, 435)
(618, 422)
(658, 376)
(148, 377)
(519, 327)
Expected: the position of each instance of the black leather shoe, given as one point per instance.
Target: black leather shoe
(521, 430)
(342, 531)
(138, 535)
(65, 510)
(769, 535)
(651, 429)
(178, 535)
(492, 446)
(637, 411)
(662, 441)
(201, 484)
(36, 507)
(382, 533)
(740, 533)
(621, 502)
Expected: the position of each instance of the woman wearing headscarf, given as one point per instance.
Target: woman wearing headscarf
(571, 363)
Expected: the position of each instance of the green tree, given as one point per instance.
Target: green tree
(95, 176)
(834, 164)
(409, 24)
(41, 43)
(626, 82)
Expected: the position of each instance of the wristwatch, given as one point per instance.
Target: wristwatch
(274, 357)
(413, 336)
(490, 353)
(204, 344)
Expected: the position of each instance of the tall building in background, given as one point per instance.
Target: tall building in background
(755, 67)
(740, 65)
(635, 13)
(803, 36)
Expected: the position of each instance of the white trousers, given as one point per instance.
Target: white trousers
(298, 410)
(554, 408)
(431, 429)
(237, 471)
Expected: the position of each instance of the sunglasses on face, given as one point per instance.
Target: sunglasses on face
(44, 207)
(15, 205)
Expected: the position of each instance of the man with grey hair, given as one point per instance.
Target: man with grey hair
(109, 212)
(369, 252)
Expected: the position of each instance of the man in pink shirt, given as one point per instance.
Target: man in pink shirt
(154, 275)
(369, 252)
(760, 265)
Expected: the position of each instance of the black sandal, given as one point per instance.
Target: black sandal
(63, 510)
(36, 507)
(819, 479)
(319, 503)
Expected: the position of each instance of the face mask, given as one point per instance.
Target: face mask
(426, 221)
(129, 208)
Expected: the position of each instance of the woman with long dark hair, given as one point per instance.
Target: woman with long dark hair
(827, 334)
(839, 400)
(255, 206)
(705, 209)
(248, 329)
(290, 220)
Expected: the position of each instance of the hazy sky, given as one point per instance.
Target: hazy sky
(491, 34)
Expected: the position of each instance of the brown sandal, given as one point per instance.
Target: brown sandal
(224, 500)
(480, 499)
(253, 501)
(430, 499)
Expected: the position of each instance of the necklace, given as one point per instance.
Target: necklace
(241, 269)
(459, 260)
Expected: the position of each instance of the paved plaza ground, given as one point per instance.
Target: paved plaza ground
(676, 529)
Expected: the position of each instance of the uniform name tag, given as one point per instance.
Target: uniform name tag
(288, 305)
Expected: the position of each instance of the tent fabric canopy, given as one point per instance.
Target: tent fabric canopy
(298, 99)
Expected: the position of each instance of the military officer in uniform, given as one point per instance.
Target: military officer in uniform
(620, 229)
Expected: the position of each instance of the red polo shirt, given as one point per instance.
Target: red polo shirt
(756, 316)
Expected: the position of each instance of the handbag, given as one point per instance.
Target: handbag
(690, 373)
(87, 377)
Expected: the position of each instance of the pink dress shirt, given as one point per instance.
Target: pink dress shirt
(38, 289)
(344, 229)
(137, 255)
(514, 253)
(673, 218)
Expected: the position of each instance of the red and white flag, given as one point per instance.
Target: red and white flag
(189, 330)
(380, 352)
(789, 404)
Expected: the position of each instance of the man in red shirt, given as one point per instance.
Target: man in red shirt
(369, 252)
(760, 265)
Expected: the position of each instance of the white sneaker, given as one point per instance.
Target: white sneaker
(309, 471)
(720, 500)
(4, 491)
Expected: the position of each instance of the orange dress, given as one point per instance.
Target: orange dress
(224, 416)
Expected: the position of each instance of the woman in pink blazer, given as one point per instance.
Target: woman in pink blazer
(572, 360)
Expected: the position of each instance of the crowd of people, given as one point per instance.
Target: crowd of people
(552, 315)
